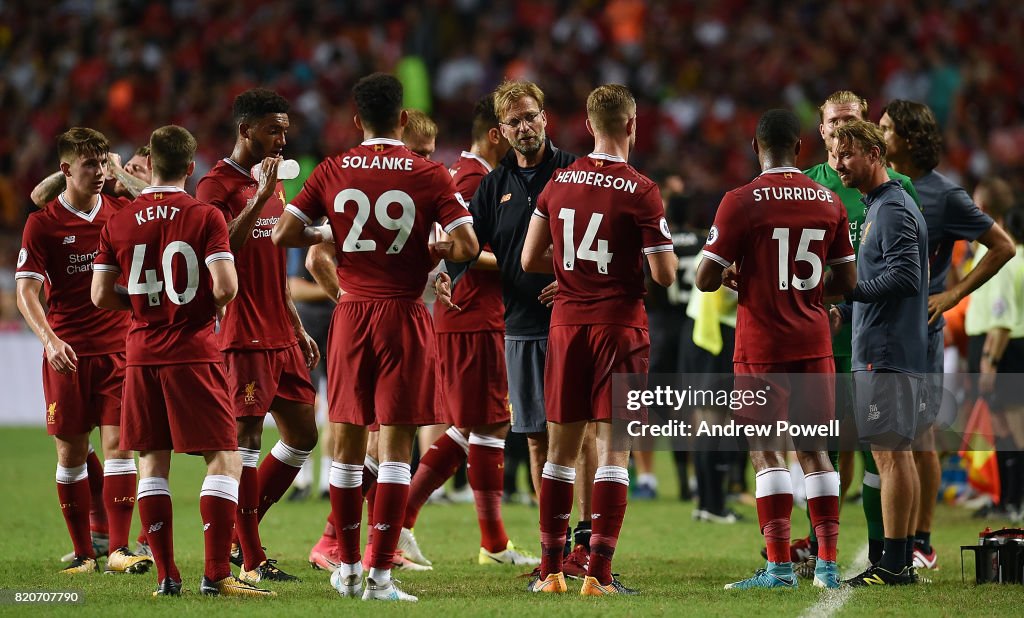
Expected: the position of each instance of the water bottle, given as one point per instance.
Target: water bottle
(286, 169)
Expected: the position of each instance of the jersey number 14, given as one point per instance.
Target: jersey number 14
(781, 235)
(598, 254)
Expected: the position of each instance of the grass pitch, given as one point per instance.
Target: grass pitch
(679, 565)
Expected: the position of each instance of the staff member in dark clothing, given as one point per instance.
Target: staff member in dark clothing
(890, 324)
(501, 208)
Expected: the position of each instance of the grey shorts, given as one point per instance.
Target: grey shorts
(888, 407)
(936, 398)
(524, 362)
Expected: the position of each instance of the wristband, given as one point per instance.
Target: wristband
(326, 232)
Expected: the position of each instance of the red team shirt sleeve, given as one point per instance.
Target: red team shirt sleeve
(211, 192)
(841, 250)
(452, 210)
(106, 257)
(655, 236)
(32, 257)
(217, 244)
(728, 232)
(541, 209)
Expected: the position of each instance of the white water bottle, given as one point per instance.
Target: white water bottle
(286, 169)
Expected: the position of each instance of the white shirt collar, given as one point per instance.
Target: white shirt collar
(239, 168)
(88, 216)
(383, 140)
(469, 155)
(781, 170)
(148, 190)
(606, 157)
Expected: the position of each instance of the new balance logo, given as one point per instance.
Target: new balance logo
(206, 527)
(354, 526)
(69, 240)
(595, 516)
(385, 527)
(874, 580)
(564, 516)
(874, 413)
(156, 527)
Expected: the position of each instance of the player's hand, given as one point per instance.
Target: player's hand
(61, 357)
(443, 291)
(835, 320)
(547, 295)
(440, 250)
(268, 178)
(731, 278)
(310, 351)
(987, 378)
(939, 304)
(113, 160)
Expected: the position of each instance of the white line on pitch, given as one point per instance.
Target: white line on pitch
(832, 601)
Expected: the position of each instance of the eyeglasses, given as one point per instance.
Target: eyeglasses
(528, 118)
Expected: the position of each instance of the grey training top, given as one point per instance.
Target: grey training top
(890, 309)
(951, 216)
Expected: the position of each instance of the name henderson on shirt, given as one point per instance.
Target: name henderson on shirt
(597, 179)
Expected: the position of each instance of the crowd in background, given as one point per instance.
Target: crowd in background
(703, 72)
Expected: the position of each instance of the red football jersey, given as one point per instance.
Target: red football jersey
(382, 201)
(163, 243)
(605, 217)
(258, 317)
(781, 230)
(57, 248)
(478, 293)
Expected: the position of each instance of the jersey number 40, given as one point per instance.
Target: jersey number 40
(781, 235)
(152, 286)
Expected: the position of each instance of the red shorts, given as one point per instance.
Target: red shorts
(474, 385)
(181, 407)
(580, 364)
(383, 363)
(801, 392)
(87, 398)
(256, 377)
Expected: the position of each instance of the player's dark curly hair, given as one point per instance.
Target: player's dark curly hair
(916, 123)
(778, 131)
(378, 101)
(484, 117)
(256, 103)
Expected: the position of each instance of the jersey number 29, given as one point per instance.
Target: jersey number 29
(403, 224)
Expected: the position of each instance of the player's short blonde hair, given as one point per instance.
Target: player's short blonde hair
(420, 127)
(866, 135)
(609, 107)
(844, 97)
(510, 91)
(171, 149)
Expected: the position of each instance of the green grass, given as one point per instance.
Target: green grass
(679, 565)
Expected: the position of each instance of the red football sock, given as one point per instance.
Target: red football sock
(487, 479)
(247, 521)
(823, 506)
(276, 474)
(217, 503)
(158, 523)
(119, 497)
(611, 484)
(437, 465)
(75, 498)
(393, 480)
(346, 509)
(97, 512)
(555, 508)
(371, 498)
(774, 489)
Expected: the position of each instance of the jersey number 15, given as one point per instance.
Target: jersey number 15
(781, 235)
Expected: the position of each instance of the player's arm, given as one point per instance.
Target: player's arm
(132, 184)
(709, 275)
(292, 231)
(48, 189)
(310, 351)
(536, 256)
(104, 291)
(663, 265)
(1000, 250)
(225, 281)
(320, 264)
(902, 275)
(58, 353)
(240, 227)
(464, 244)
(840, 280)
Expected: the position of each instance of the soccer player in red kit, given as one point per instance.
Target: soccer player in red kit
(267, 352)
(83, 371)
(381, 201)
(600, 218)
(780, 231)
(173, 254)
(471, 348)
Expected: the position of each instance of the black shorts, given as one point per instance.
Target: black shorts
(888, 407)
